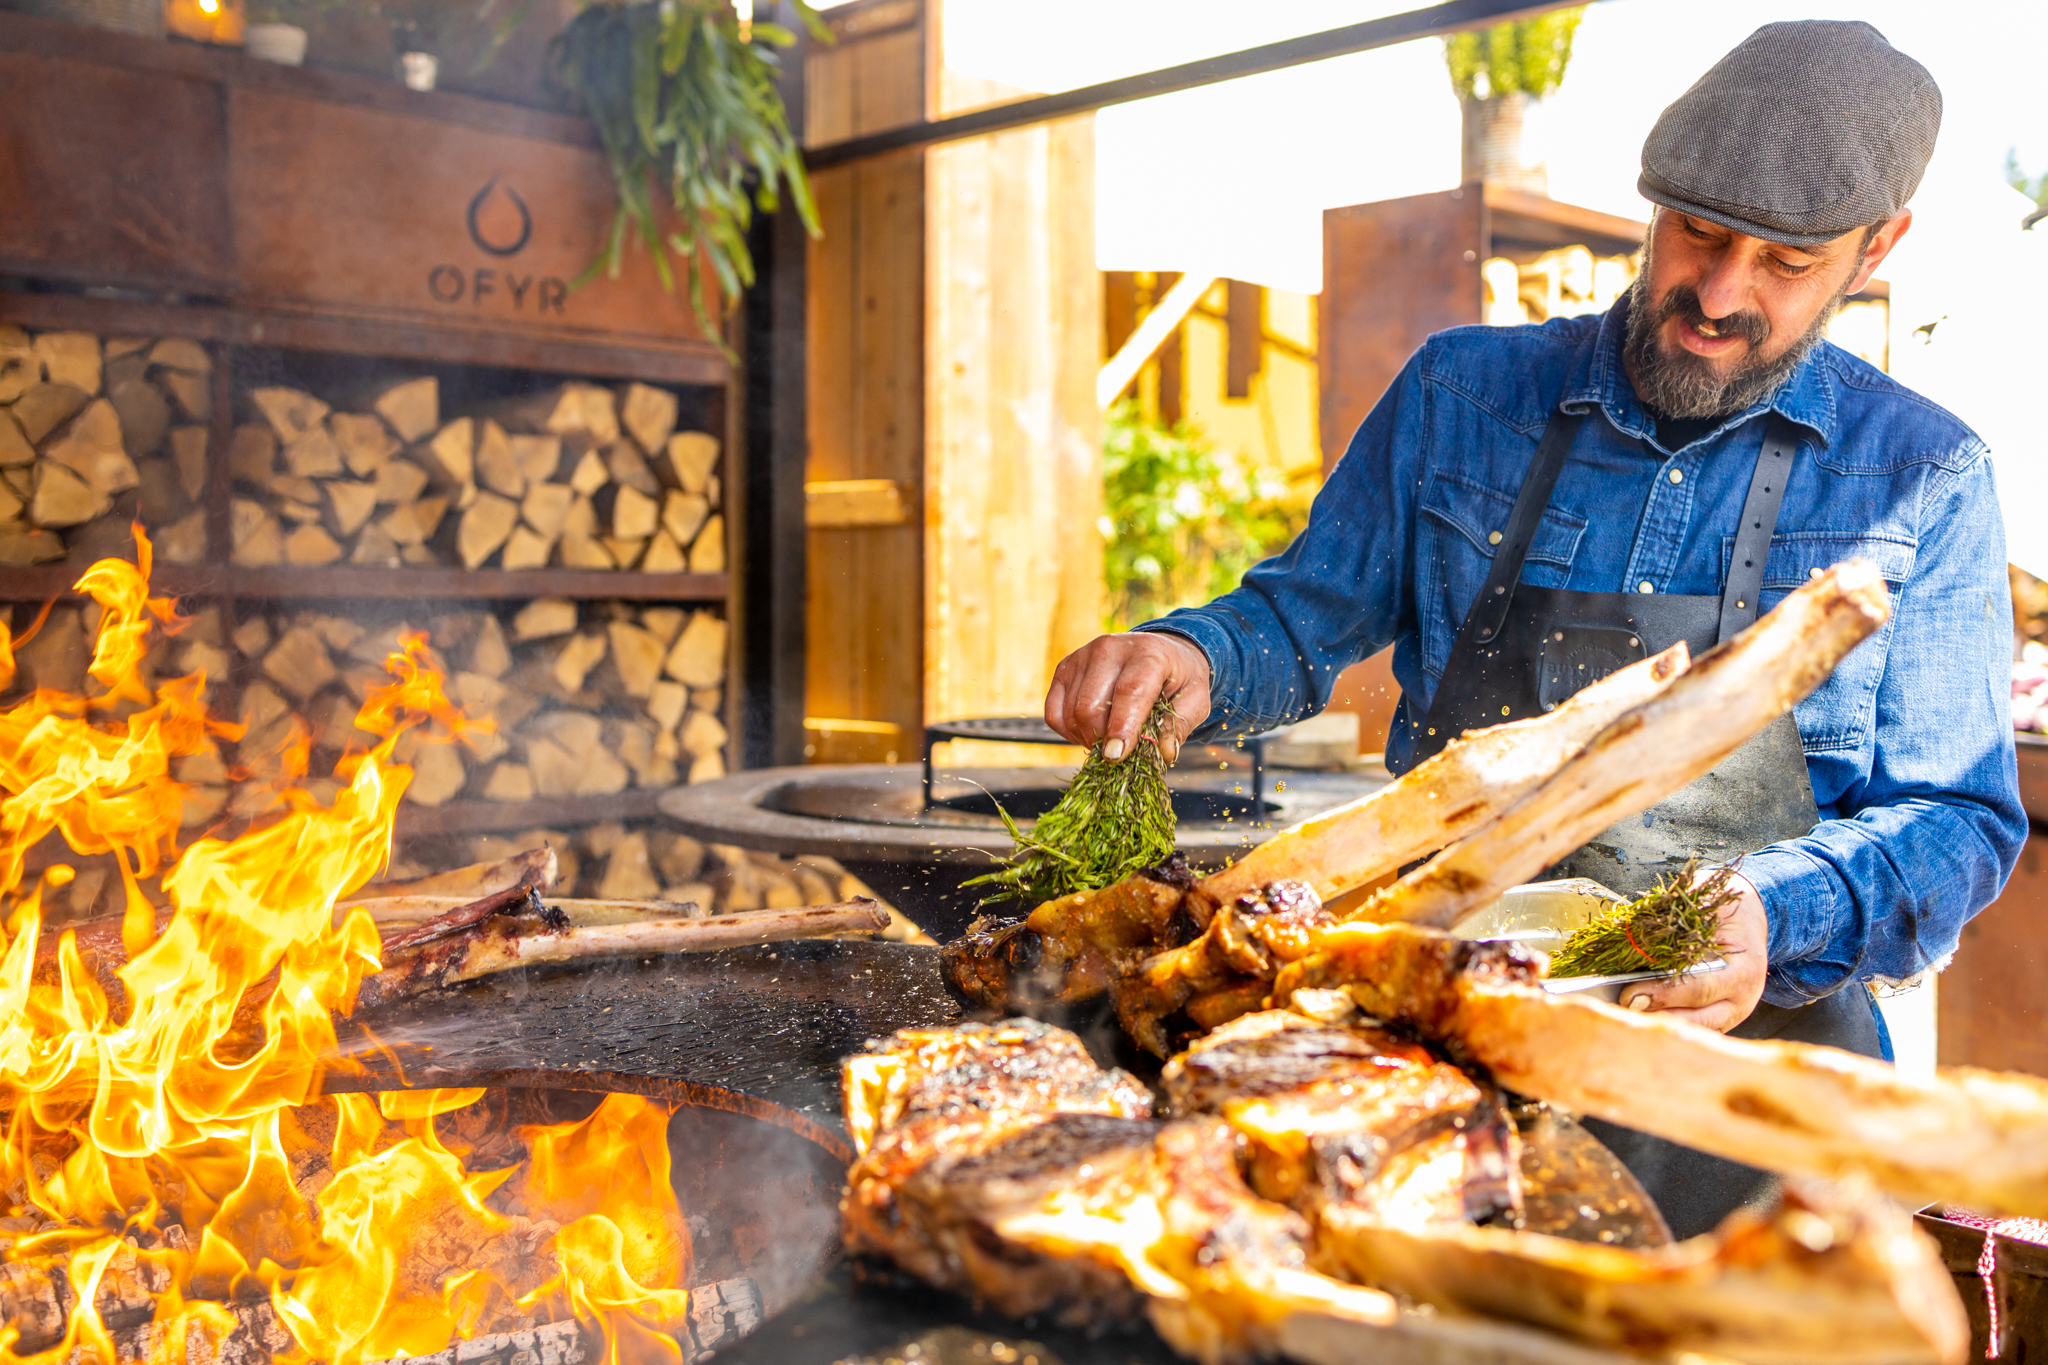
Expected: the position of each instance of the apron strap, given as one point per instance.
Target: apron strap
(1753, 532)
(1490, 612)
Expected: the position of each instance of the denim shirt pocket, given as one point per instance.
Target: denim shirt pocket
(1840, 712)
(1458, 517)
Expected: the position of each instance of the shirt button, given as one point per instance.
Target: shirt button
(1493, 537)
(1678, 476)
(1646, 586)
(1813, 573)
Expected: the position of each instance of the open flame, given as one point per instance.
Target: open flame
(164, 1120)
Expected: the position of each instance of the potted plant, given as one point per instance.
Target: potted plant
(1496, 72)
(684, 96)
(271, 35)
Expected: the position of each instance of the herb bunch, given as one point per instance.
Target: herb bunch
(1114, 819)
(1670, 928)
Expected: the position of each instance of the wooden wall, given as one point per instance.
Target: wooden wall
(867, 391)
(1013, 489)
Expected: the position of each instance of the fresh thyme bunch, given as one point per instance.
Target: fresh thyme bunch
(1669, 928)
(1114, 819)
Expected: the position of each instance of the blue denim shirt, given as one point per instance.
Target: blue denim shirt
(1909, 744)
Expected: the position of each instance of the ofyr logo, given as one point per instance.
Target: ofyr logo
(500, 225)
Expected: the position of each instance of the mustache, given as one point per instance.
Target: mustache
(1684, 302)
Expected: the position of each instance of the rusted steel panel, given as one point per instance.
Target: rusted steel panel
(112, 175)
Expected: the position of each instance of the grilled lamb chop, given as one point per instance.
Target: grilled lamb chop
(1354, 1116)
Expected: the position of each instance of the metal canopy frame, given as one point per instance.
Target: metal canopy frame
(1454, 16)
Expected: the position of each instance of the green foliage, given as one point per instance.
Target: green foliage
(1114, 819)
(1670, 928)
(1528, 55)
(2035, 188)
(1181, 520)
(686, 104)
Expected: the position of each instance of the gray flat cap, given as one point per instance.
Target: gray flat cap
(1805, 131)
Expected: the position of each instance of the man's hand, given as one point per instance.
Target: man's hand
(1105, 689)
(1719, 1000)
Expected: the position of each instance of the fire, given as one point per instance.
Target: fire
(164, 1119)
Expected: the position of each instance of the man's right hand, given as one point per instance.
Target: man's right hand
(1105, 690)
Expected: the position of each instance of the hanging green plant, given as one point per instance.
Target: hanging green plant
(684, 97)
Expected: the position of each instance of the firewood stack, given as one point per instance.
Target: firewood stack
(576, 476)
(93, 435)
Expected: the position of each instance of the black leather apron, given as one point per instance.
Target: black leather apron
(1523, 649)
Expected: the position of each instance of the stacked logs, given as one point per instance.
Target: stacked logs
(93, 435)
(576, 476)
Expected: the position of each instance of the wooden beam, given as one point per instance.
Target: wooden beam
(1245, 329)
(1451, 17)
(840, 503)
(1162, 322)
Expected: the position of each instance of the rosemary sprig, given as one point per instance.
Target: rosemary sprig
(1114, 819)
(1669, 928)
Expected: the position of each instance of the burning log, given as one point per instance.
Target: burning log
(441, 892)
(721, 1313)
(487, 945)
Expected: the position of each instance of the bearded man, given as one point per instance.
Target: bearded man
(1529, 508)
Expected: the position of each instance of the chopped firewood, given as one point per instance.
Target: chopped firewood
(707, 768)
(546, 506)
(649, 415)
(698, 659)
(559, 770)
(663, 555)
(582, 552)
(693, 455)
(42, 408)
(375, 547)
(557, 1343)
(582, 408)
(93, 450)
(349, 504)
(707, 552)
(159, 500)
(188, 451)
(629, 468)
(365, 442)
(628, 872)
(510, 782)
(193, 392)
(21, 546)
(256, 535)
(624, 553)
(683, 514)
(313, 454)
(180, 353)
(310, 544)
(702, 734)
(491, 946)
(706, 699)
(526, 549)
(252, 453)
(580, 519)
(488, 654)
(578, 655)
(62, 498)
(637, 654)
(184, 540)
(538, 457)
(399, 481)
(635, 515)
(413, 408)
(1468, 783)
(15, 450)
(485, 525)
(252, 637)
(402, 524)
(291, 414)
(453, 452)
(144, 414)
(666, 702)
(496, 467)
(1706, 714)
(70, 358)
(544, 617)
(299, 663)
(589, 474)
(665, 622)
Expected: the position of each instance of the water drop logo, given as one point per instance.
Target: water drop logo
(477, 207)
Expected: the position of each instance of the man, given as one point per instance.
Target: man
(1529, 508)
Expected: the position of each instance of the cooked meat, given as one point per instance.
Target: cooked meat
(1830, 1276)
(1071, 949)
(1356, 1116)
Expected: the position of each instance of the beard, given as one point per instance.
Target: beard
(1679, 384)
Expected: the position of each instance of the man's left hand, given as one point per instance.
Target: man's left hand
(1718, 1000)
